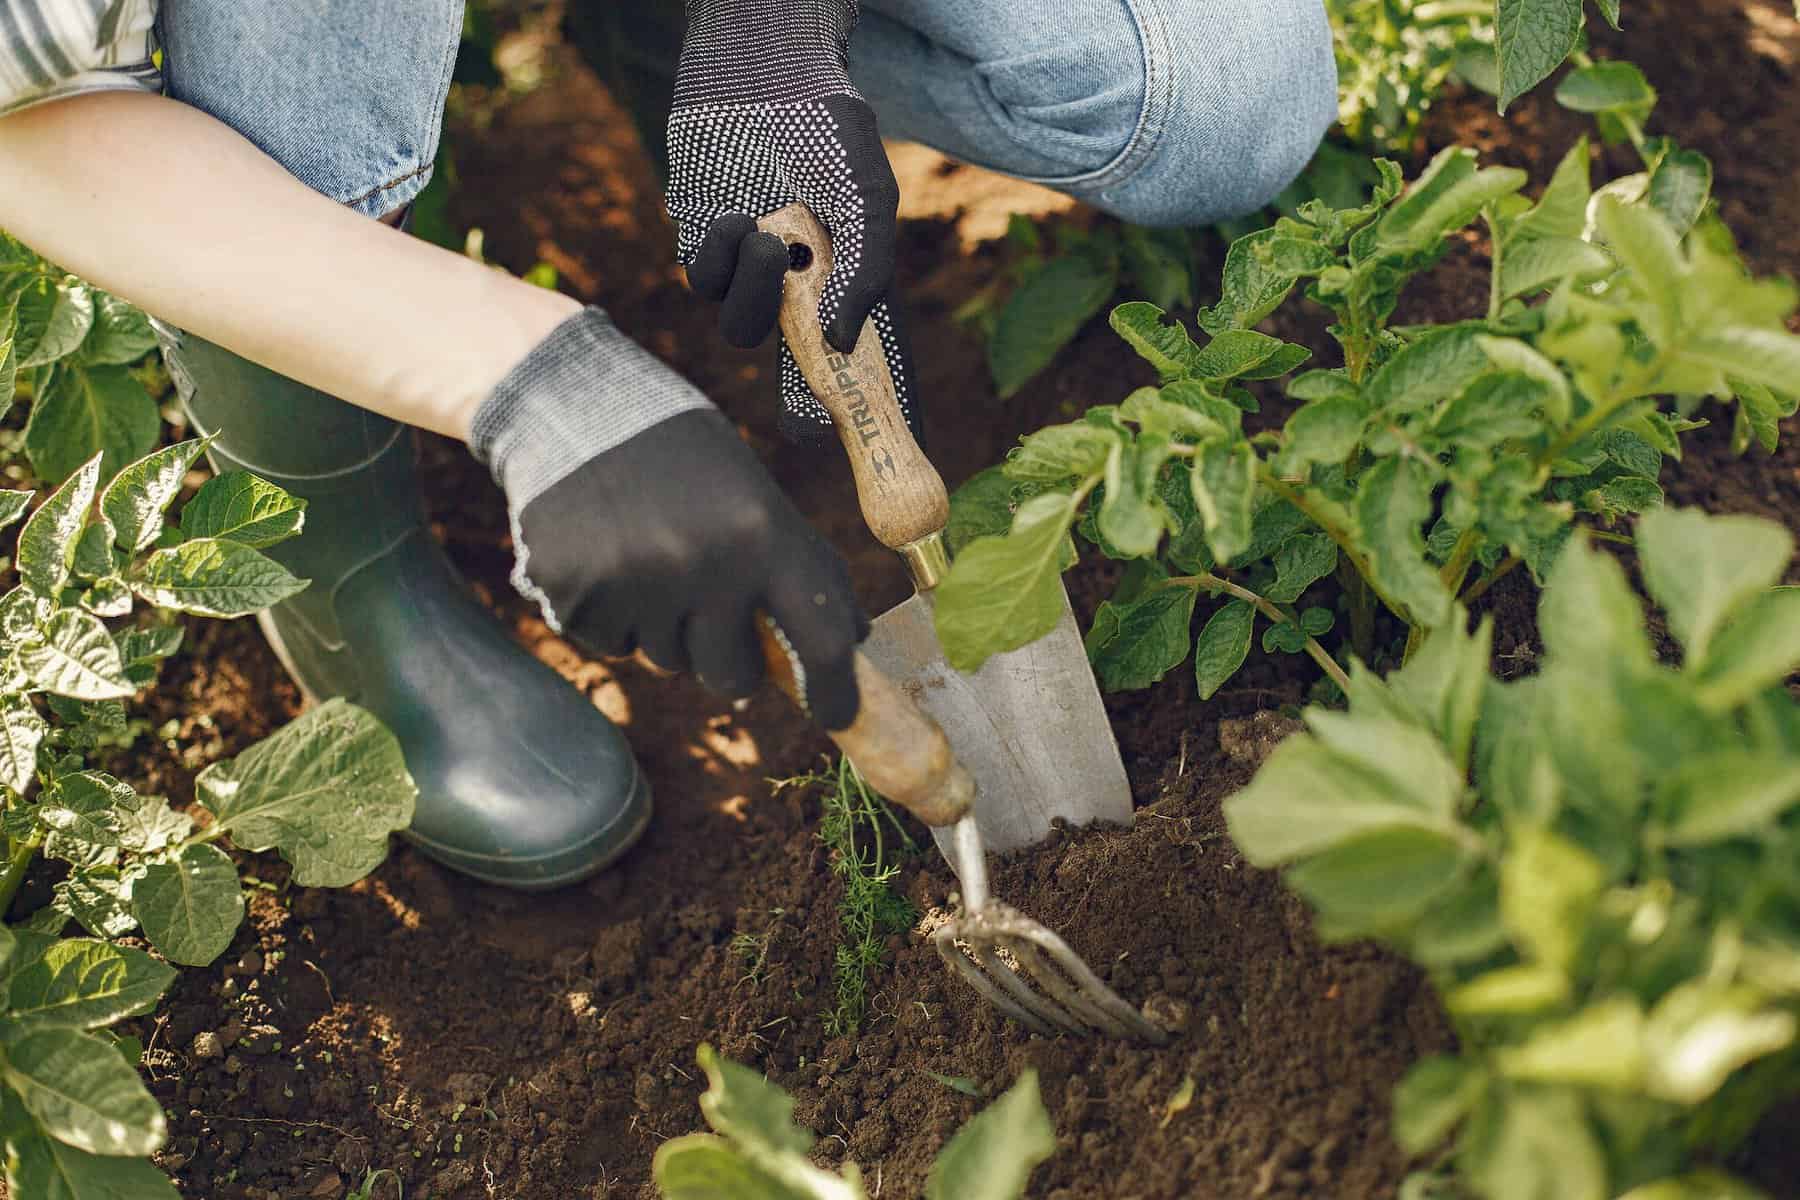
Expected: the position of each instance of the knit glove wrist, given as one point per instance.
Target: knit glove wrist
(642, 521)
(765, 116)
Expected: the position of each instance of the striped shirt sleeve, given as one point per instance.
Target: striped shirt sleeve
(50, 49)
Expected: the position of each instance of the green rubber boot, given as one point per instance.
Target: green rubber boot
(522, 782)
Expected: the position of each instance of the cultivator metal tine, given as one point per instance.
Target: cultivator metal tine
(960, 962)
(1066, 975)
(1069, 995)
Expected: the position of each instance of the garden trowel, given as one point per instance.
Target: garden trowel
(1029, 725)
(987, 759)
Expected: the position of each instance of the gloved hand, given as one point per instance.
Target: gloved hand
(765, 115)
(640, 519)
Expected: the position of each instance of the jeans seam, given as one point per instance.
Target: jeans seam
(1148, 17)
(395, 182)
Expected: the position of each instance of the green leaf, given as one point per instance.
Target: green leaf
(1541, 263)
(1302, 560)
(213, 578)
(1730, 792)
(134, 502)
(22, 731)
(43, 1169)
(1536, 1145)
(1561, 213)
(152, 825)
(1325, 432)
(1165, 345)
(240, 507)
(1006, 592)
(1509, 991)
(73, 655)
(54, 316)
(1044, 314)
(1699, 1033)
(1150, 636)
(1548, 885)
(98, 897)
(1532, 38)
(1377, 880)
(1702, 569)
(744, 1106)
(1680, 187)
(1770, 357)
(1606, 87)
(1222, 647)
(991, 1158)
(1588, 614)
(1131, 515)
(86, 806)
(190, 906)
(1698, 1185)
(1445, 681)
(93, 551)
(1393, 500)
(1757, 650)
(1510, 354)
(1238, 352)
(87, 410)
(1646, 245)
(1057, 453)
(703, 1167)
(80, 983)
(83, 1093)
(1446, 197)
(1224, 489)
(1165, 418)
(1252, 288)
(1602, 1046)
(1434, 368)
(1437, 1093)
(1308, 797)
(121, 334)
(981, 507)
(325, 791)
(13, 505)
(47, 542)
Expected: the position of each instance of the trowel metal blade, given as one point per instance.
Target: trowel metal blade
(1029, 725)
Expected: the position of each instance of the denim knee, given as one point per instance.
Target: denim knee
(1239, 94)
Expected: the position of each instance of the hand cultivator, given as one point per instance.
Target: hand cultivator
(1030, 723)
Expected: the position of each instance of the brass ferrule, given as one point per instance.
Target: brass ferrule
(928, 560)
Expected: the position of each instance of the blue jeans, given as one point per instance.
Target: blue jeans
(1162, 112)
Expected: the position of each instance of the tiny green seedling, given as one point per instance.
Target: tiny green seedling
(756, 1152)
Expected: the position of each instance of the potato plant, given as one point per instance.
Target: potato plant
(1422, 466)
(1595, 865)
(756, 1152)
(325, 792)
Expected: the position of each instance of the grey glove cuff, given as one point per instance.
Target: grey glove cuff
(764, 52)
(580, 392)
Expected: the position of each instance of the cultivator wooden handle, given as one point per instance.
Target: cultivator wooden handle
(899, 749)
(903, 498)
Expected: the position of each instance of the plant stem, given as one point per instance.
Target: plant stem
(1362, 611)
(1494, 576)
(22, 855)
(1461, 555)
(1298, 499)
(1496, 257)
(1207, 581)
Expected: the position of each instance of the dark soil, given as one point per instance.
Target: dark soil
(480, 1044)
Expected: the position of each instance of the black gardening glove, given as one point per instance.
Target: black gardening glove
(642, 521)
(765, 115)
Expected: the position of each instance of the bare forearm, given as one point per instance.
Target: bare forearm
(172, 210)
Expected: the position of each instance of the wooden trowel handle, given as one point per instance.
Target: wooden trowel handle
(898, 748)
(902, 496)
